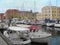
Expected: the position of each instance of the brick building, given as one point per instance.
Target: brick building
(14, 13)
(1, 16)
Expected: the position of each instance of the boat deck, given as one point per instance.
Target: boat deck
(16, 39)
(39, 34)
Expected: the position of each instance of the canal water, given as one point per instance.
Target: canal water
(54, 40)
(35, 43)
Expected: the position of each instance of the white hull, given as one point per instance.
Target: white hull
(17, 42)
(41, 40)
(43, 37)
(49, 24)
(57, 29)
(22, 25)
(57, 25)
(14, 38)
(3, 26)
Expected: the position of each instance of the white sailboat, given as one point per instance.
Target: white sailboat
(57, 25)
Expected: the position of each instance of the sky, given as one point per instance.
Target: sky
(26, 5)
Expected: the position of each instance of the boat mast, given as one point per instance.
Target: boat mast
(56, 10)
(22, 9)
(57, 13)
(50, 11)
(34, 9)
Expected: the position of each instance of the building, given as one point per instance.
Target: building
(14, 13)
(1, 16)
(27, 15)
(51, 12)
(39, 16)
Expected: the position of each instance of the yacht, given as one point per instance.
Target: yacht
(36, 34)
(50, 24)
(39, 36)
(18, 35)
(22, 25)
(57, 24)
(3, 27)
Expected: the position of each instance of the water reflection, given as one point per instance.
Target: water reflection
(54, 31)
(55, 39)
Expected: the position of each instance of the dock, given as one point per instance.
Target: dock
(4, 40)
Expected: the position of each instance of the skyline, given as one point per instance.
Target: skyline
(26, 5)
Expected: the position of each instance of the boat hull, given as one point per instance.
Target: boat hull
(41, 40)
(50, 24)
(57, 25)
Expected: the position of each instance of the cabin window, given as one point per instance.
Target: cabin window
(30, 30)
(34, 30)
